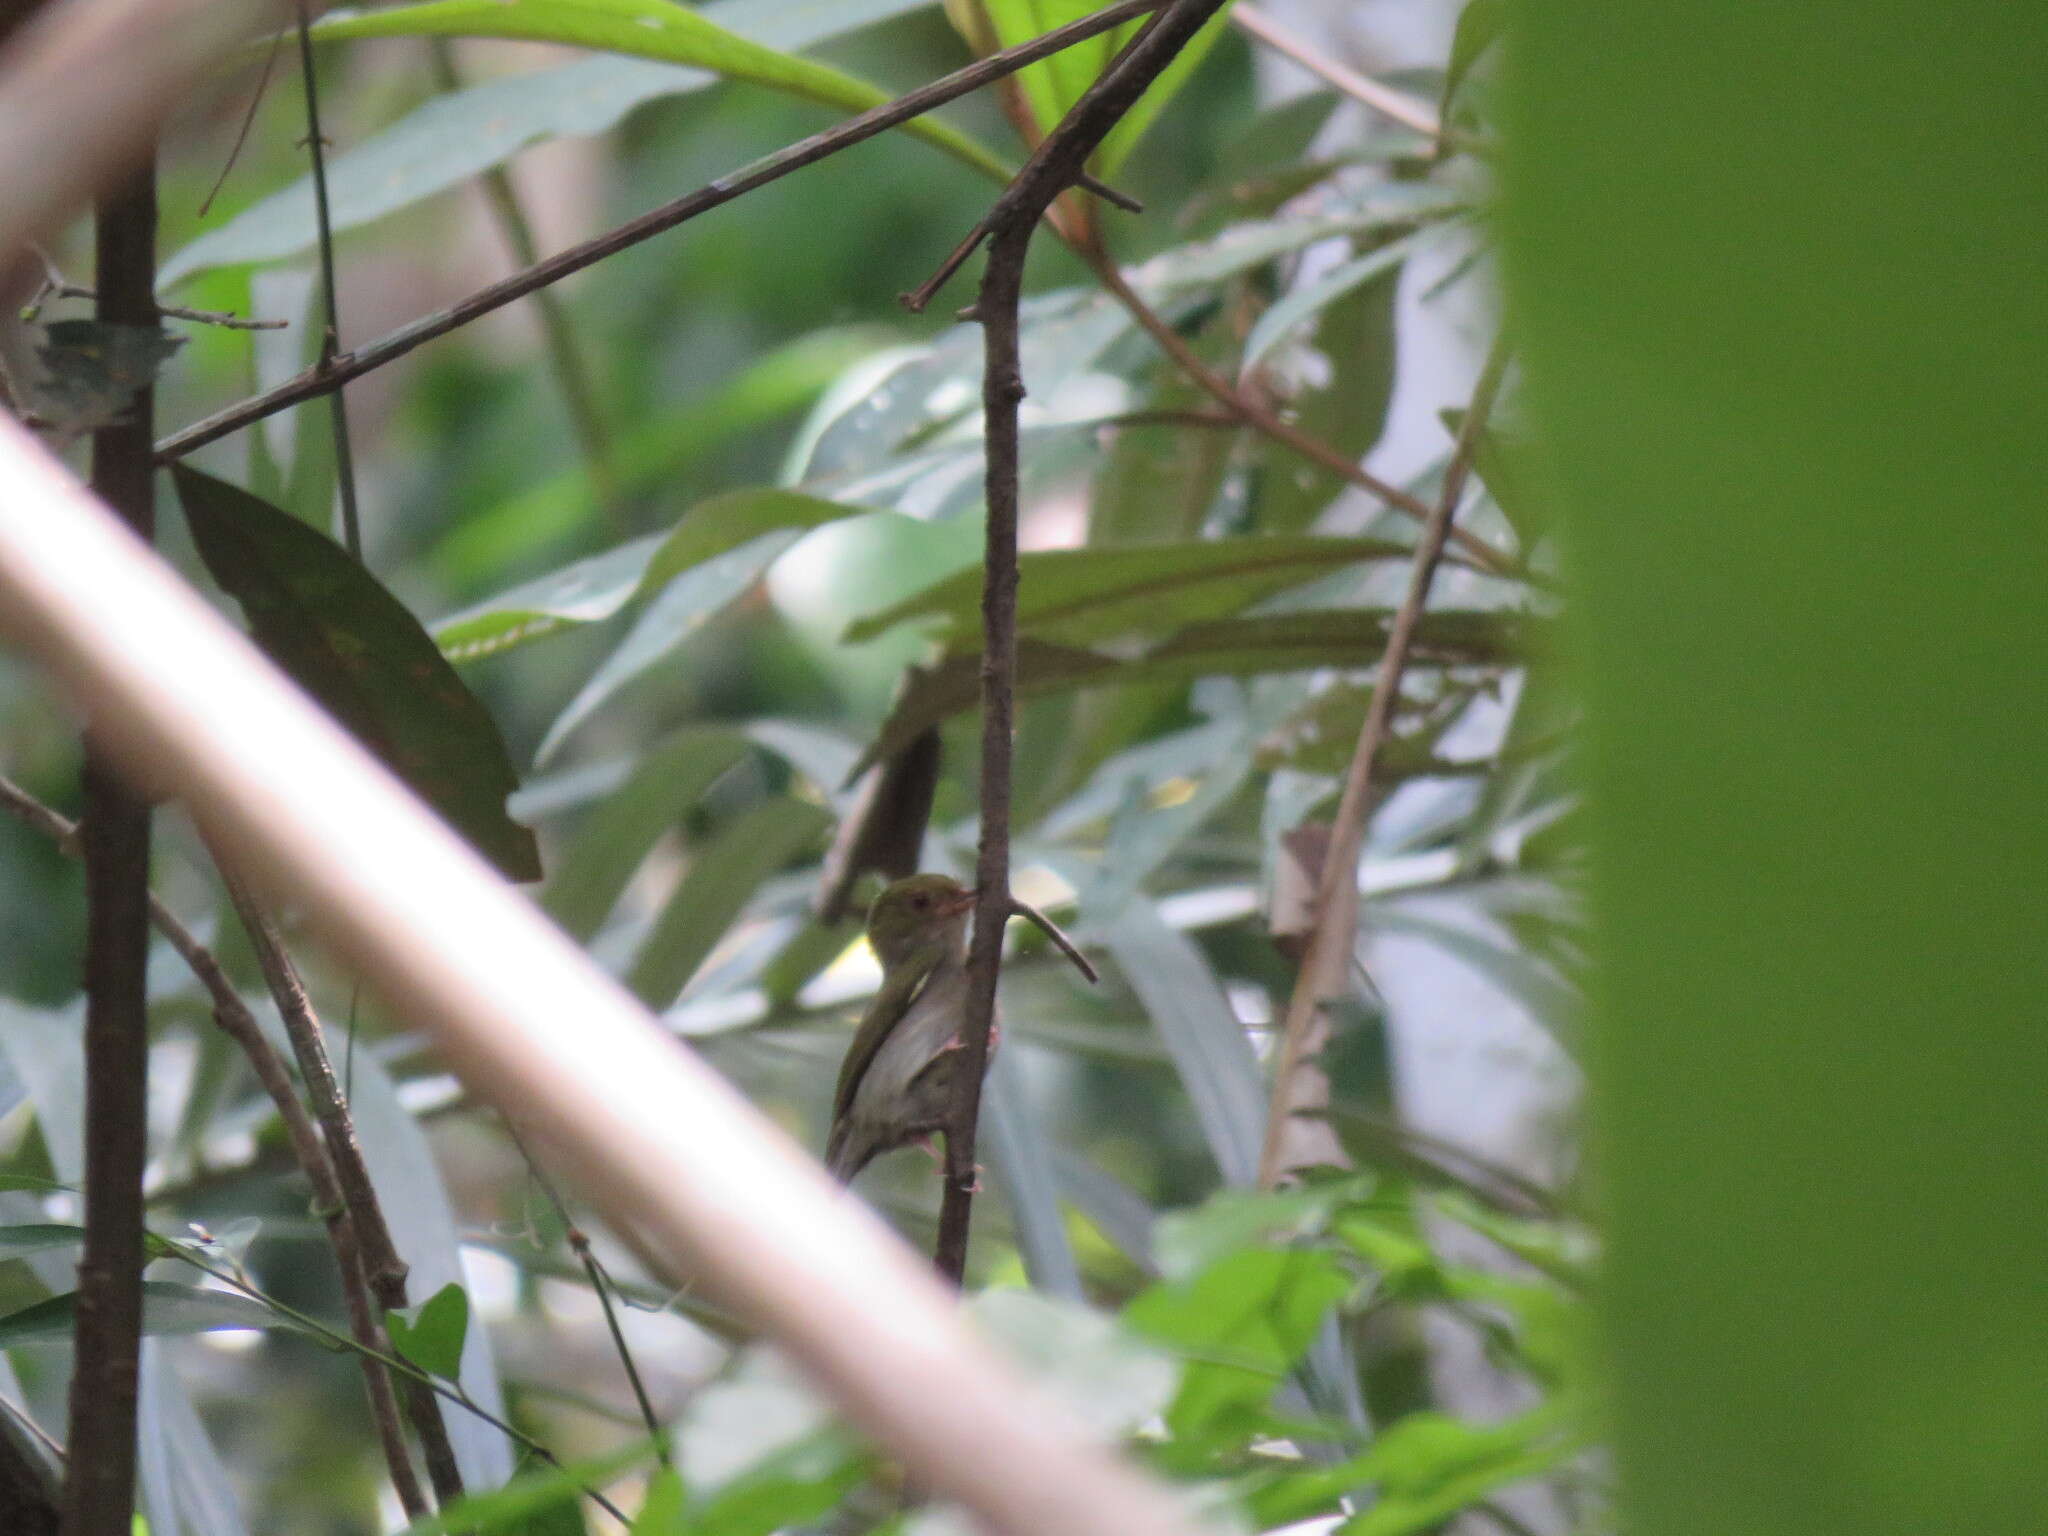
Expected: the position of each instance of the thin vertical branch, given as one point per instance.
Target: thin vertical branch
(1057, 164)
(1325, 962)
(382, 1266)
(330, 334)
(99, 1479)
(566, 354)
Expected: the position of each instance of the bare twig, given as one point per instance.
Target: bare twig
(317, 381)
(1324, 965)
(240, 1026)
(1389, 103)
(405, 1368)
(56, 288)
(99, 1478)
(248, 121)
(382, 1266)
(1010, 223)
(330, 334)
(601, 1282)
(654, 1137)
(1261, 419)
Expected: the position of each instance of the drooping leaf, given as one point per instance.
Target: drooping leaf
(1304, 303)
(723, 873)
(1211, 1053)
(1018, 1158)
(617, 835)
(593, 589)
(712, 557)
(348, 642)
(651, 29)
(167, 1307)
(1283, 642)
(433, 1337)
(1089, 595)
(182, 1481)
(459, 135)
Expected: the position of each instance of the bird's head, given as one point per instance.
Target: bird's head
(913, 914)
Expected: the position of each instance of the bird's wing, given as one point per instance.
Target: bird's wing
(900, 988)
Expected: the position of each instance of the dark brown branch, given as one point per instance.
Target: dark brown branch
(317, 381)
(99, 1478)
(1324, 965)
(382, 1266)
(1011, 222)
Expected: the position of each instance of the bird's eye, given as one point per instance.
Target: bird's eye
(920, 902)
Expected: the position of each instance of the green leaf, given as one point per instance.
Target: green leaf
(661, 1511)
(1479, 25)
(166, 1308)
(1305, 303)
(1349, 412)
(723, 873)
(507, 1509)
(464, 133)
(1243, 1323)
(616, 836)
(1053, 85)
(1086, 596)
(650, 29)
(1210, 1050)
(593, 589)
(1286, 642)
(18, 1242)
(357, 650)
(433, 1338)
(714, 555)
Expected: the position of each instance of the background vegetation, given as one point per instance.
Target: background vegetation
(703, 538)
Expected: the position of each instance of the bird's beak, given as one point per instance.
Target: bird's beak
(961, 903)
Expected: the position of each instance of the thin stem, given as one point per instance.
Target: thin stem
(330, 335)
(55, 287)
(566, 356)
(600, 1282)
(1267, 422)
(392, 1361)
(1389, 103)
(382, 1266)
(1323, 966)
(343, 367)
(99, 1479)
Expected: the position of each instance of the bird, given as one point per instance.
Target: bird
(899, 1074)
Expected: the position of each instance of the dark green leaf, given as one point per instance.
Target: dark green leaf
(617, 835)
(1085, 596)
(352, 645)
(723, 873)
(1479, 24)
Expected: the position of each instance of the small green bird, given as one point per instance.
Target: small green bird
(898, 1078)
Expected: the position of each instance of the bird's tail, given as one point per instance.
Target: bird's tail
(847, 1152)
